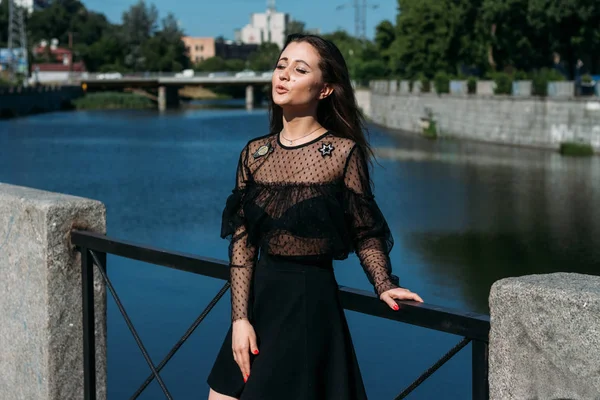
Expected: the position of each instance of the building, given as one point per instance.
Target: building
(55, 73)
(267, 27)
(199, 48)
(53, 53)
(228, 49)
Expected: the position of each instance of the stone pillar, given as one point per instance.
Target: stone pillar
(41, 345)
(249, 97)
(545, 337)
(162, 98)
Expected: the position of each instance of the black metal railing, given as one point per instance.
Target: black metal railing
(94, 247)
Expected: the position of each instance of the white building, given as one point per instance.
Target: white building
(267, 27)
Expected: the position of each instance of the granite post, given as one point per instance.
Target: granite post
(545, 337)
(41, 345)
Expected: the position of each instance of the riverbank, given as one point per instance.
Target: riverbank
(517, 121)
(16, 101)
(113, 101)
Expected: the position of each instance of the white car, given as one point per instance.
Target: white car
(245, 74)
(110, 75)
(186, 73)
(267, 74)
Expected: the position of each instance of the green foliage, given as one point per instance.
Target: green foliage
(295, 27)
(442, 82)
(472, 84)
(4, 23)
(265, 58)
(425, 83)
(503, 81)
(112, 100)
(491, 35)
(430, 128)
(139, 43)
(423, 37)
(541, 78)
(5, 82)
(576, 149)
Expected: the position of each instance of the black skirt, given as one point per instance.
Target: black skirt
(305, 348)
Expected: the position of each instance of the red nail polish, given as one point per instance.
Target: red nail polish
(245, 379)
(255, 351)
(396, 307)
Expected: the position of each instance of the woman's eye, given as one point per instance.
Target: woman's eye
(302, 71)
(280, 66)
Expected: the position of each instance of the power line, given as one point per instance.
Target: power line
(360, 16)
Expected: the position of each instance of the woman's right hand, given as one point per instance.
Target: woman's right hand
(243, 342)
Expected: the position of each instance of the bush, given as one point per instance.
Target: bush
(425, 83)
(541, 78)
(521, 76)
(503, 82)
(430, 125)
(576, 149)
(472, 84)
(442, 82)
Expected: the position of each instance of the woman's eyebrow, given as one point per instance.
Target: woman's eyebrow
(300, 61)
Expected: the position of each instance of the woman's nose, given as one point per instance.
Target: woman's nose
(283, 74)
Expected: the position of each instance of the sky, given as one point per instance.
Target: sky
(222, 17)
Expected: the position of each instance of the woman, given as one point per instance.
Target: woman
(303, 198)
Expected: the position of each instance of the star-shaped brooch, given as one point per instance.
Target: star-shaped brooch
(326, 149)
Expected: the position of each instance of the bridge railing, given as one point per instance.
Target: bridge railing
(94, 248)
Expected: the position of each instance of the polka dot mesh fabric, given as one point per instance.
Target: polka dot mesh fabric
(310, 201)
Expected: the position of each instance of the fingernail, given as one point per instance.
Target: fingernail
(245, 379)
(396, 307)
(255, 351)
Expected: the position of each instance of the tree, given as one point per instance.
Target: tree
(295, 27)
(571, 29)
(4, 23)
(139, 25)
(264, 58)
(165, 51)
(385, 34)
(514, 42)
(217, 64)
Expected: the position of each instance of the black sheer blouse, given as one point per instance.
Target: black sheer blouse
(310, 201)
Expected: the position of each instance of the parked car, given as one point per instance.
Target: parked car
(245, 74)
(267, 74)
(219, 74)
(186, 73)
(110, 75)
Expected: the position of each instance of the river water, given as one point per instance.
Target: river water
(463, 215)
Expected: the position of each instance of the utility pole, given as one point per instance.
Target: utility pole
(360, 16)
(17, 40)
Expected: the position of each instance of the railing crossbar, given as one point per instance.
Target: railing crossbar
(453, 351)
(137, 338)
(181, 341)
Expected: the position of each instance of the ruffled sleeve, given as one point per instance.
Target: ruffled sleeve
(242, 255)
(371, 236)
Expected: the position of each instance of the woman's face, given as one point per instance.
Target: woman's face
(297, 79)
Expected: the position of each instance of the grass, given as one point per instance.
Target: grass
(112, 100)
(431, 131)
(576, 149)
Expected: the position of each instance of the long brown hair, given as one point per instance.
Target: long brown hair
(339, 112)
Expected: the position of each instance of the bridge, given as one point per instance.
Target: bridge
(167, 84)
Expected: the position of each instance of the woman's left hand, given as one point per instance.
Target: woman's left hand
(390, 297)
